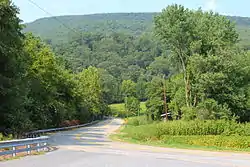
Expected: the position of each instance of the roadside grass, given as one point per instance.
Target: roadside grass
(154, 134)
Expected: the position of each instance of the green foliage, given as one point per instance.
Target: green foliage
(12, 67)
(128, 88)
(118, 110)
(154, 103)
(139, 120)
(207, 52)
(132, 105)
(188, 32)
(37, 91)
(220, 134)
(209, 109)
(196, 127)
(2, 137)
(204, 47)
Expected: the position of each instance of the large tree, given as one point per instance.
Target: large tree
(12, 68)
(187, 32)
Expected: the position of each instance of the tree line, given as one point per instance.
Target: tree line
(36, 90)
(206, 71)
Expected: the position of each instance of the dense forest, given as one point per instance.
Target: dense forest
(133, 59)
(187, 63)
(36, 90)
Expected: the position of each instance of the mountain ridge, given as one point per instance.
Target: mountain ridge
(134, 23)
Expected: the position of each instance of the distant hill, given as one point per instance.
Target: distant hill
(132, 23)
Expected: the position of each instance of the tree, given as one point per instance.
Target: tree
(128, 88)
(132, 106)
(155, 101)
(188, 32)
(13, 61)
(89, 89)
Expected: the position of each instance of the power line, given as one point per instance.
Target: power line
(54, 17)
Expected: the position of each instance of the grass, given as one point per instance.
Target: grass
(118, 110)
(124, 138)
(166, 135)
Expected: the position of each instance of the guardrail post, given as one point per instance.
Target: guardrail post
(45, 148)
(14, 151)
(28, 147)
(38, 145)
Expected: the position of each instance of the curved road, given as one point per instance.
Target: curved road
(90, 147)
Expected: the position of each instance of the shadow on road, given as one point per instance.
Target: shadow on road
(87, 136)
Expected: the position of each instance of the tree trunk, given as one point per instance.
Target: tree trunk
(185, 77)
(195, 100)
(165, 97)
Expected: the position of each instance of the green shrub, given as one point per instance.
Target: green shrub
(2, 137)
(118, 110)
(132, 105)
(141, 120)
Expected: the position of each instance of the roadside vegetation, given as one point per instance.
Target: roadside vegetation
(196, 134)
(206, 92)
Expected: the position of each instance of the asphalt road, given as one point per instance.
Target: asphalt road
(90, 147)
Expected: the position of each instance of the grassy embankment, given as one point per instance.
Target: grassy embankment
(204, 135)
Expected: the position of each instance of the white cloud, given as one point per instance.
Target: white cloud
(211, 5)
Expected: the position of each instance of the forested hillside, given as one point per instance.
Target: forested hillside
(133, 59)
(129, 23)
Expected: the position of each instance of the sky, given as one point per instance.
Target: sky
(29, 12)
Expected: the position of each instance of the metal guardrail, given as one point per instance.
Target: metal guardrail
(38, 133)
(12, 147)
(33, 141)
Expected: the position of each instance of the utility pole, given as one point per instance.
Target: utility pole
(165, 97)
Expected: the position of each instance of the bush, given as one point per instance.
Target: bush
(118, 110)
(2, 137)
(132, 105)
(136, 121)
